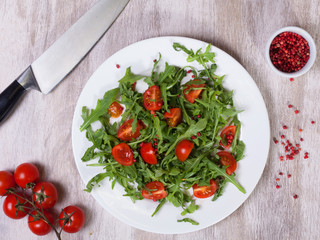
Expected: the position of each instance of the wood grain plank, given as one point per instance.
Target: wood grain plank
(40, 129)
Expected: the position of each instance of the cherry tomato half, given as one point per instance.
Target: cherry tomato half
(125, 130)
(74, 218)
(6, 181)
(46, 194)
(122, 153)
(10, 208)
(192, 95)
(40, 227)
(204, 191)
(227, 136)
(173, 117)
(157, 192)
(226, 159)
(152, 99)
(183, 149)
(115, 109)
(26, 173)
(148, 153)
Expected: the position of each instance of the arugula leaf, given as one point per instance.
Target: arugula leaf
(189, 220)
(191, 208)
(222, 172)
(101, 108)
(192, 130)
(130, 78)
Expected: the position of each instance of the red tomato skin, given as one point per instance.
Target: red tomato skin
(148, 153)
(125, 130)
(9, 206)
(49, 190)
(152, 98)
(183, 149)
(122, 153)
(6, 181)
(205, 191)
(26, 173)
(77, 219)
(160, 193)
(173, 117)
(115, 109)
(226, 159)
(230, 130)
(40, 227)
(192, 95)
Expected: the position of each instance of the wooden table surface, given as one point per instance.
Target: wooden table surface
(39, 131)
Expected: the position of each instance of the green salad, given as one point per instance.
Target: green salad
(176, 142)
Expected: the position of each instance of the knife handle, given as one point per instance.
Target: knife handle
(11, 95)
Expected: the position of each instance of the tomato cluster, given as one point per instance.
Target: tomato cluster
(25, 195)
(152, 101)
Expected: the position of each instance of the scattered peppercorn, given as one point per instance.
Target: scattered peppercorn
(290, 106)
(291, 79)
(296, 111)
(313, 122)
(284, 127)
(295, 196)
(277, 186)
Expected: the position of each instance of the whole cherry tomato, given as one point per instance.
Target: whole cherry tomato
(156, 190)
(37, 225)
(6, 181)
(115, 109)
(72, 219)
(125, 130)
(122, 153)
(173, 117)
(204, 191)
(183, 149)
(12, 210)
(227, 136)
(46, 194)
(148, 153)
(192, 95)
(26, 173)
(226, 159)
(152, 99)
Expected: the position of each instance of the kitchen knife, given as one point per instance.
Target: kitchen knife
(64, 55)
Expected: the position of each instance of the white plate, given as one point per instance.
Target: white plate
(255, 133)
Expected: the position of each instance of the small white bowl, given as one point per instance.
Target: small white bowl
(313, 51)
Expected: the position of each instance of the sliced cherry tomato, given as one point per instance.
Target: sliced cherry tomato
(6, 181)
(13, 206)
(173, 117)
(183, 149)
(227, 136)
(122, 153)
(204, 191)
(115, 109)
(38, 226)
(46, 194)
(148, 153)
(192, 95)
(152, 99)
(125, 130)
(156, 191)
(226, 159)
(73, 218)
(26, 173)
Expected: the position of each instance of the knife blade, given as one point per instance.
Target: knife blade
(46, 72)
